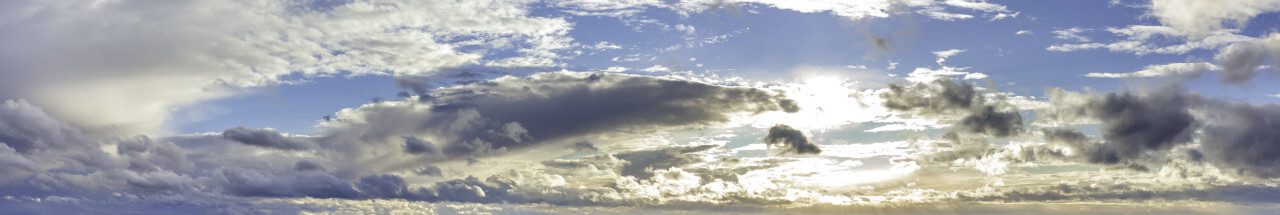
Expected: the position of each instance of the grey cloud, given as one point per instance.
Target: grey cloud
(430, 170)
(1075, 140)
(415, 145)
(792, 140)
(1246, 140)
(642, 163)
(990, 121)
(1240, 61)
(248, 182)
(266, 137)
(1237, 137)
(1091, 191)
(510, 113)
(584, 146)
(958, 147)
(1132, 124)
(308, 165)
(945, 97)
(941, 95)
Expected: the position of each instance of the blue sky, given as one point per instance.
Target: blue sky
(548, 107)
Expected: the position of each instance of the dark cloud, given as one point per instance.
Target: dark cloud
(249, 182)
(510, 114)
(945, 98)
(1131, 124)
(265, 137)
(556, 106)
(415, 145)
(992, 122)
(1089, 150)
(308, 165)
(1246, 140)
(792, 140)
(584, 146)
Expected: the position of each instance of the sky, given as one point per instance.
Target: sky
(639, 107)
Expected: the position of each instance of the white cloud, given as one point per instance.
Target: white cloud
(1004, 15)
(978, 5)
(940, 13)
(943, 55)
(1164, 70)
(605, 45)
(656, 68)
(688, 30)
(201, 50)
(1072, 34)
(1197, 19)
(615, 69)
(1023, 32)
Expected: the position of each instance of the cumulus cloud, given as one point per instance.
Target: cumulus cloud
(1197, 19)
(1133, 124)
(791, 140)
(944, 97)
(1244, 139)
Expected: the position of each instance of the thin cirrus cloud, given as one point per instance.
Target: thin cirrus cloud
(533, 107)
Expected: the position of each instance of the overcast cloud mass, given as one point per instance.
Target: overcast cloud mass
(639, 107)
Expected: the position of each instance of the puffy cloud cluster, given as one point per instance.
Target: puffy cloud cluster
(945, 97)
(1145, 128)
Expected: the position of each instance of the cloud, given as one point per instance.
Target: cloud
(978, 5)
(944, 97)
(1240, 61)
(1189, 70)
(1072, 34)
(1023, 32)
(1244, 139)
(415, 145)
(266, 137)
(1197, 19)
(792, 140)
(207, 49)
(584, 146)
(510, 113)
(656, 68)
(940, 13)
(1133, 124)
(1004, 15)
(256, 183)
(1142, 40)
